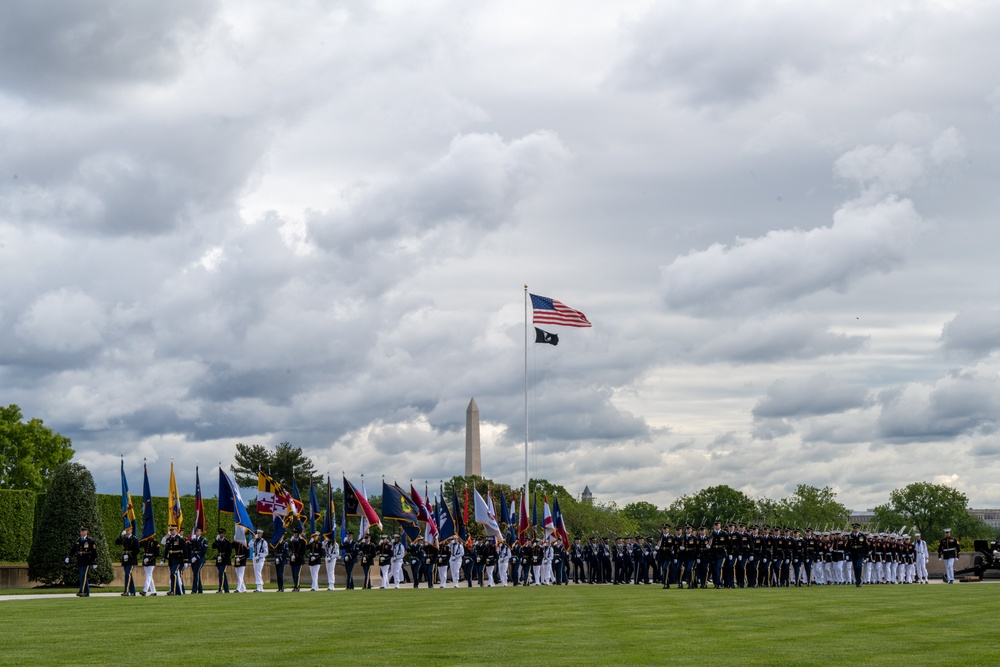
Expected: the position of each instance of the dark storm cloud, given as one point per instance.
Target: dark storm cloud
(85, 47)
(965, 402)
(816, 395)
(973, 332)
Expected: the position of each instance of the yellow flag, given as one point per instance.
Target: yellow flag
(174, 501)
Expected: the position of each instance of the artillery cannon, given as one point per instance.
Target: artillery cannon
(987, 558)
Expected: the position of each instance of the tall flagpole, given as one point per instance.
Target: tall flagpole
(525, 391)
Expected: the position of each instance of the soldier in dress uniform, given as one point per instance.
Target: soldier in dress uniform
(719, 545)
(396, 564)
(742, 555)
(489, 556)
(349, 552)
(130, 556)
(197, 547)
(576, 558)
(468, 563)
(331, 552)
(296, 557)
(367, 553)
(174, 549)
(240, 554)
(809, 550)
(259, 551)
(223, 556)
(384, 560)
(281, 553)
(84, 550)
(857, 546)
(591, 558)
(430, 550)
(415, 558)
(444, 563)
(504, 555)
(949, 551)
(316, 554)
(150, 553)
(921, 557)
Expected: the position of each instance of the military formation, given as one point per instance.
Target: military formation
(730, 556)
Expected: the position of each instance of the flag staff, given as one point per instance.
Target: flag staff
(525, 388)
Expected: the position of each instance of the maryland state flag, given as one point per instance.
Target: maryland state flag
(273, 499)
(174, 501)
(355, 504)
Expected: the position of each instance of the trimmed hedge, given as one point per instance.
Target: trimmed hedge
(17, 517)
(110, 508)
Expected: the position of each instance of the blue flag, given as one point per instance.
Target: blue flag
(279, 529)
(313, 507)
(457, 515)
(446, 523)
(231, 503)
(329, 523)
(128, 512)
(295, 494)
(397, 504)
(343, 524)
(148, 526)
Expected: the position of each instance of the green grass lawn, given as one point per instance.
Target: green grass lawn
(581, 625)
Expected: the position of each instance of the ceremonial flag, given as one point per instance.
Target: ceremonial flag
(231, 502)
(279, 530)
(272, 498)
(199, 504)
(446, 522)
(534, 512)
(550, 311)
(557, 519)
(356, 504)
(486, 517)
(313, 507)
(546, 337)
(329, 524)
(299, 505)
(457, 515)
(396, 504)
(128, 512)
(343, 523)
(366, 523)
(148, 526)
(421, 510)
(504, 512)
(523, 525)
(548, 526)
(174, 501)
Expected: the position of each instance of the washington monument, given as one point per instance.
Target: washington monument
(473, 464)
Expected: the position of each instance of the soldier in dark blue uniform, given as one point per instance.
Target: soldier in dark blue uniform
(430, 554)
(297, 557)
(366, 554)
(174, 549)
(223, 556)
(415, 558)
(719, 541)
(857, 547)
(281, 555)
(198, 547)
(84, 549)
(150, 552)
(349, 552)
(130, 556)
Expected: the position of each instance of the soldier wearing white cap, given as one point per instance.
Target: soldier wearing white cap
(921, 556)
(948, 551)
(331, 552)
(316, 553)
(396, 565)
(259, 551)
(455, 561)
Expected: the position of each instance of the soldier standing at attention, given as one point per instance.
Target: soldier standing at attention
(443, 561)
(198, 546)
(84, 549)
(316, 555)
(331, 552)
(415, 557)
(921, 556)
(130, 556)
(430, 551)
(280, 551)
(948, 550)
(150, 552)
(296, 556)
(349, 552)
(223, 556)
(240, 552)
(384, 560)
(174, 547)
(367, 553)
(259, 551)
(396, 564)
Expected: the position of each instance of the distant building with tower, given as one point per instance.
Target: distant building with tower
(473, 461)
(586, 496)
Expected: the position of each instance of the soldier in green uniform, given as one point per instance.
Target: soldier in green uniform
(84, 549)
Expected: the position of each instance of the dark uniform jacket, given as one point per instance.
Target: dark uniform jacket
(240, 551)
(223, 551)
(297, 551)
(85, 551)
(150, 551)
(130, 548)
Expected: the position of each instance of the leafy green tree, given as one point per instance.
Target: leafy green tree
(70, 502)
(279, 464)
(812, 507)
(648, 518)
(29, 451)
(930, 508)
(716, 502)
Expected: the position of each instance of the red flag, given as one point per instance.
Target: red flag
(421, 510)
(523, 524)
(199, 506)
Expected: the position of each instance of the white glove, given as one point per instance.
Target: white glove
(66, 560)
(193, 559)
(123, 533)
(94, 566)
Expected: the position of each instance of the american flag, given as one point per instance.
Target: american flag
(550, 311)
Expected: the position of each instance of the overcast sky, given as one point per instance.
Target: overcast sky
(312, 221)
